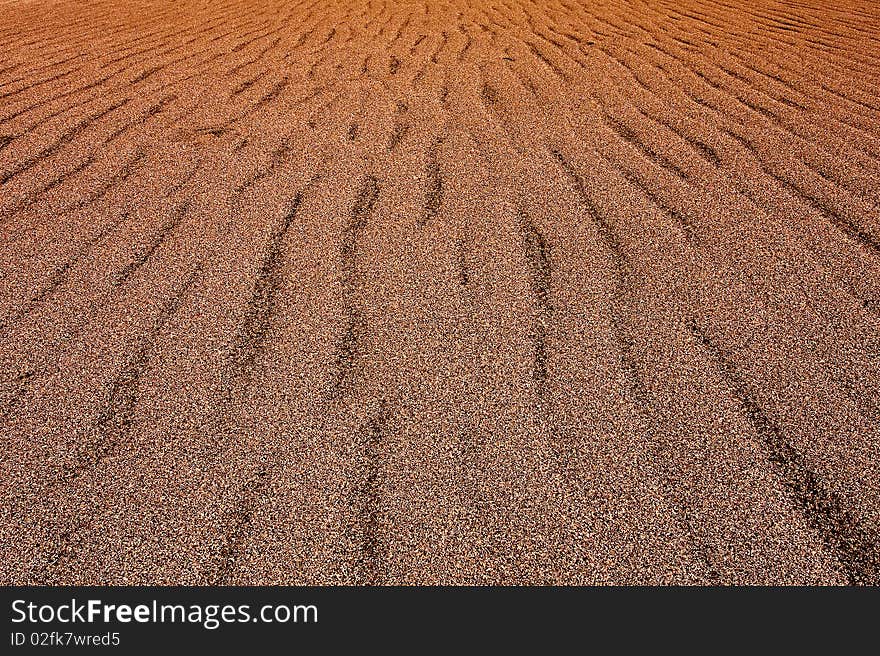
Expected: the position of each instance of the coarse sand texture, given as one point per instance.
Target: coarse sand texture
(454, 291)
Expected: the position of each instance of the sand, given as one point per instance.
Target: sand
(345, 292)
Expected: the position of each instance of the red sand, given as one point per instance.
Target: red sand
(440, 292)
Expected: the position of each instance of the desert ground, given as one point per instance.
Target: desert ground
(417, 292)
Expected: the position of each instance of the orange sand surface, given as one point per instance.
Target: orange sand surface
(462, 291)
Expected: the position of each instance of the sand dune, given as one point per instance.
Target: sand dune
(376, 292)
